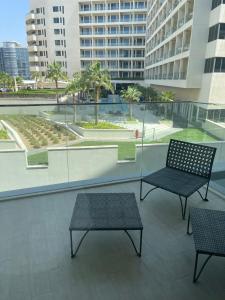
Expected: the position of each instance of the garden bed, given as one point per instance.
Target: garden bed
(102, 131)
(39, 133)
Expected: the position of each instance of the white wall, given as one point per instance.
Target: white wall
(84, 163)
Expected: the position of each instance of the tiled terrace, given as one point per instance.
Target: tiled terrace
(35, 261)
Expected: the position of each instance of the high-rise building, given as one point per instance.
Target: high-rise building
(53, 35)
(113, 32)
(185, 48)
(76, 33)
(14, 60)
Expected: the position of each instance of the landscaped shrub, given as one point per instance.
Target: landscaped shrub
(55, 140)
(44, 142)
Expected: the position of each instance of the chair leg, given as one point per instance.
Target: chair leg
(141, 190)
(183, 207)
(143, 198)
(188, 225)
(196, 276)
(206, 193)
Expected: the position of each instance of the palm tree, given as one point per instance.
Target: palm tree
(55, 73)
(167, 96)
(74, 87)
(37, 77)
(132, 94)
(98, 79)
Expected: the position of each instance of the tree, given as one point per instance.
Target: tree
(98, 79)
(74, 87)
(167, 96)
(132, 94)
(55, 73)
(3, 79)
(37, 78)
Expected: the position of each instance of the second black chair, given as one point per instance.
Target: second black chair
(188, 168)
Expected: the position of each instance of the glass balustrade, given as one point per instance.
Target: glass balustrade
(84, 143)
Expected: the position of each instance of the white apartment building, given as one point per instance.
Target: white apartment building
(185, 48)
(53, 35)
(113, 32)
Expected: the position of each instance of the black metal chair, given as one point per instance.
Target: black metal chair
(188, 168)
(208, 229)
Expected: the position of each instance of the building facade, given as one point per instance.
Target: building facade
(14, 60)
(185, 48)
(113, 32)
(53, 35)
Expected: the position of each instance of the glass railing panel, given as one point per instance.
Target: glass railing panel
(108, 135)
(78, 141)
(32, 151)
(191, 122)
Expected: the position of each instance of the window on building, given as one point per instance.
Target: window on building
(215, 65)
(216, 3)
(57, 42)
(56, 8)
(222, 31)
(56, 20)
(56, 31)
(217, 32)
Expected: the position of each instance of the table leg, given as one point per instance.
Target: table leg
(135, 248)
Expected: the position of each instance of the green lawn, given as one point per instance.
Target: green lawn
(3, 135)
(126, 150)
(189, 135)
(40, 158)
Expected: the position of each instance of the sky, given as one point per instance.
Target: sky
(12, 20)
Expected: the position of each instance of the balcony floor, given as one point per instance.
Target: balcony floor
(35, 261)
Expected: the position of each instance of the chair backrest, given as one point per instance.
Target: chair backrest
(191, 158)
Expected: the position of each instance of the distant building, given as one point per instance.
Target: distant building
(14, 59)
(53, 35)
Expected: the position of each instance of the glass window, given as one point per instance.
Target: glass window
(57, 42)
(55, 8)
(218, 64)
(222, 31)
(56, 20)
(56, 31)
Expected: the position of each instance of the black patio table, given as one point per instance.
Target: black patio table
(208, 229)
(105, 211)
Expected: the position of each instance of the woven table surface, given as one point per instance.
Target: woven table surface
(106, 211)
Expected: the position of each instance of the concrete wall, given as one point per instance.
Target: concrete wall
(8, 144)
(215, 129)
(101, 134)
(84, 163)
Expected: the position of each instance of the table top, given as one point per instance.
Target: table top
(208, 228)
(106, 211)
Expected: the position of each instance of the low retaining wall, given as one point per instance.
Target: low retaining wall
(120, 134)
(8, 144)
(216, 129)
(84, 163)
